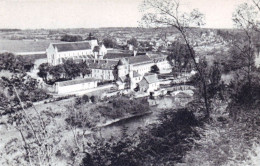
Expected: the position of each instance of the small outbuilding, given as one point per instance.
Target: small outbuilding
(149, 83)
(75, 85)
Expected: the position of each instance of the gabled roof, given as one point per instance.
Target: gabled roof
(157, 56)
(102, 64)
(182, 95)
(139, 59)
(71, 46)
(151, 78)
(77, 81)
(117, 55)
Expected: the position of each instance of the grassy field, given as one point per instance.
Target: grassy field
(24, 45)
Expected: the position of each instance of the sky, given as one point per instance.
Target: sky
(52, 14)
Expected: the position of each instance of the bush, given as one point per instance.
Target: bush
(93, 99)
(85, 98)
(170, 139)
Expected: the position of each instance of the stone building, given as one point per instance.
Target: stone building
(75, 85)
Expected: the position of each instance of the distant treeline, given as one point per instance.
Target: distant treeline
(9, 30)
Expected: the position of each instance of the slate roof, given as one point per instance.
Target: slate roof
(157, 56)
(71, 46)
(139, 59)
(117, 55)
(102, 64)
(151, 78)
(182, 95)
(77, 81)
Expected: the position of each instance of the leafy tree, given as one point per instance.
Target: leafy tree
(57, 71)
(93, 99)
(24, 86)
(71, 38)
(166, 13)
(244, 19)
(15, 64)
(155, 69)
(44, 69)
(72, 70)
(213, 82)
(180, 54)
(85, 98)
(84, 69)
(133, 41)
(109, 43)
(160, 145)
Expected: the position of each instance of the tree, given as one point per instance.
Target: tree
(84, 69)
(244, 19)
(133, 41)
(213, 80)
(166, 13)
(180, 54)
(15, 64)
(57, 71)
(85, 98)
(71, 38)
(155, 69)
(72, 70)
(109, 43)
(160, 145)
(93, 99)
(44, 68)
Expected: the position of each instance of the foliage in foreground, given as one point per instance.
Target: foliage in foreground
(66, 71)
(81, 116)
(15, 64)
(163, 144)
(23, 85)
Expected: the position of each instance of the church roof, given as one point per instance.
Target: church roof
(71, 46)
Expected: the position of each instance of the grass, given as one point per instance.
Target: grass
(24, 46)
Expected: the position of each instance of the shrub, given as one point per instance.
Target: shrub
(93, 99)
(85, 98)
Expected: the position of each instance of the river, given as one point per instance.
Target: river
(133, 124)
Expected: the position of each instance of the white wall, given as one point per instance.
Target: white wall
(51, 53)
(143, 69)
(75, 87)
(104, 74)
(54, 57)
(154, 86)
(164, 66)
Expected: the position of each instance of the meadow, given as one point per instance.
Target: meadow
(24, 45)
